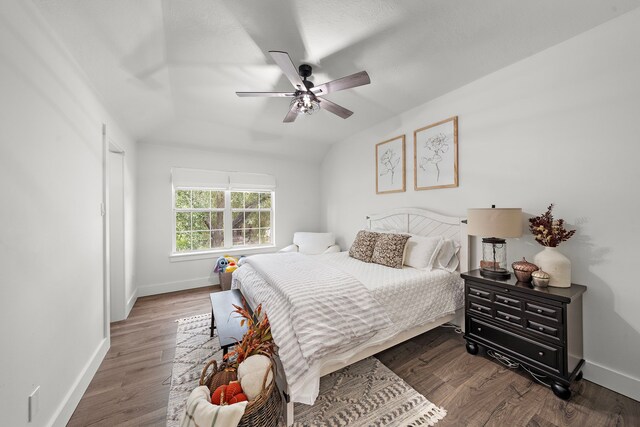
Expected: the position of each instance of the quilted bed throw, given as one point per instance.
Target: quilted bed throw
(328, 308)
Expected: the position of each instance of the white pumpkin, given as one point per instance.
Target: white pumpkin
(251, 374)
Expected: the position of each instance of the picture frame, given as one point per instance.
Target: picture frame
(435, 155)
(391, 165)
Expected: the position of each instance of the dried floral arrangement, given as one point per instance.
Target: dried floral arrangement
(257, 339)
(548, 231)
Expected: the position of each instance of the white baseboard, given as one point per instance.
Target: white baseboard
(161, 288)
(64, 412)
(613, 380)
(131, 303)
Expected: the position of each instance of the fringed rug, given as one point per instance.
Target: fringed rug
(366, 393)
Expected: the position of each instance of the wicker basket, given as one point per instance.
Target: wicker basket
(225, 280)
(264, 410)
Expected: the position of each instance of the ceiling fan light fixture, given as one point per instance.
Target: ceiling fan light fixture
(305, 98)
(305, 104)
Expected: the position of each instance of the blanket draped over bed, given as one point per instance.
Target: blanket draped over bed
(329, 308)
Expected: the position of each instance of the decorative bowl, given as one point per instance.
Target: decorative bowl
(540, 279)
(523, 269)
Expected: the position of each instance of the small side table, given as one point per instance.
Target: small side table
(540, 328)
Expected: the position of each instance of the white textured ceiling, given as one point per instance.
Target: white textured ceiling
(168, 69)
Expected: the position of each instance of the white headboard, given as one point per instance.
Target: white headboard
(425, 223)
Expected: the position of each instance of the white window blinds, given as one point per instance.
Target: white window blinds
(201, 178)
(251, 181)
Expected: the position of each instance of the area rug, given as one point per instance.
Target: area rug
(366, 393)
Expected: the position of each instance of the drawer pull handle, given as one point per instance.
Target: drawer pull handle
(504, 301)
(539, 311)
(479, 329)
(541, 329)
(540, 353)
(506, 317)
(478, 293)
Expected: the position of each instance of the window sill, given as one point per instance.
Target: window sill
(194, 256)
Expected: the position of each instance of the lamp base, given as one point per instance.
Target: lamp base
(500, 274)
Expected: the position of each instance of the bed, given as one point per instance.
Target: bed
(409, 302)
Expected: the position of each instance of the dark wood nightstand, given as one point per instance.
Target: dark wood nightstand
(539, 328)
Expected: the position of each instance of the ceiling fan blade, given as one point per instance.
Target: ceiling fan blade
(291, 115)
(270, 94)
(354, 80)
(335, 108)
(284, 62)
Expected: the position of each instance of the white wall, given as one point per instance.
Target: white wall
(561, 126)
(51, 253)
(297, 208)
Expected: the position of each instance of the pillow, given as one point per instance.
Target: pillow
(421, 251)
(389, 249)
(362, 247)
(447, 256)
(313, 243)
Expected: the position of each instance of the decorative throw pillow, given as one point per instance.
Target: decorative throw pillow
(421, 251)
(447, 256)
(389, 249)
(362, 247)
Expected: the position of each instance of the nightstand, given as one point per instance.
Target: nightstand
(539, 328)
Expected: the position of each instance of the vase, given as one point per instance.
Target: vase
(558, 266)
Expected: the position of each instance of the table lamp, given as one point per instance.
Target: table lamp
(498, 223)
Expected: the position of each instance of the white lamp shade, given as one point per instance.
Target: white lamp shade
(495, 222)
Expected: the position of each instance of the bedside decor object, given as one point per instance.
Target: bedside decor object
(523, 269)
(550, 232)
(494, 225)
(390, 166)
(435, 155)
(539, 329)
(540, 279)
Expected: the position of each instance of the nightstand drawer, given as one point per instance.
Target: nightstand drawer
(508, 301)
(543, 329)
(534, 351)
(543, 311)
(479, 308)
(508, 317)
(479, 293)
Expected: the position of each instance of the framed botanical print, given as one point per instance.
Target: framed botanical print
(435, 155)
(390, 166)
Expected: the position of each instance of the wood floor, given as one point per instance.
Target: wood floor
(131, 387)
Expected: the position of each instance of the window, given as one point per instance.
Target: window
(251, 218)
(207, 219)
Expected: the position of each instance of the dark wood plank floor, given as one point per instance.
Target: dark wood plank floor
(131, 387)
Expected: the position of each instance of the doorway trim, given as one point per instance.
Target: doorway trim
(117, 236)
(106, 263)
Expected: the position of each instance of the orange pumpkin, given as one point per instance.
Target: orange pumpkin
(240, 397)
(225, 394)
(218, 396)
(233, 388)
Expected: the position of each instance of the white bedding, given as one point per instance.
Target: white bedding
(410, 298)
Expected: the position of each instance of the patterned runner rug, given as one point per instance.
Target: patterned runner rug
(366, 393)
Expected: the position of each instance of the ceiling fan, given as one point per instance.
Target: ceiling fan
(307, 98)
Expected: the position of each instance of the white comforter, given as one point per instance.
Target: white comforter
(329, 308)
(408, 296)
